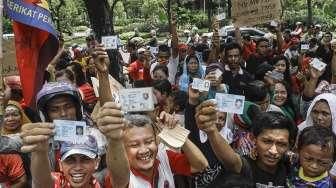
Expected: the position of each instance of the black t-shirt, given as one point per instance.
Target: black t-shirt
(263, 179)
(253, 61)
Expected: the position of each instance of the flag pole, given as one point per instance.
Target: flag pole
(1, 57)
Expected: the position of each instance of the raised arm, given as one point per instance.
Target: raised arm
(238, 37)
(280, 38)
(206, 117)
(110, 123)
(35, 138)
(311, 84)
(333, 62)
(102, 61)
(173, 32)
(215, 42)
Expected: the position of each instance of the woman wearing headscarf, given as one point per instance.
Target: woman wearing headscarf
(321, 112)
(14, 118)
(191, 69)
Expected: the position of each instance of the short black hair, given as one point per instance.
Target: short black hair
(163, 86)
(163, 68)
(262, 39)
(231, 46)
(317, 135)
(164, 48)
(68, 73)
(256, 91)
(180, 98)
(274, 120)
(77, 69)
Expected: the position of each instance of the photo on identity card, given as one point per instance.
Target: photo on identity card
(137, 99)
(230, 103)
(69, 131)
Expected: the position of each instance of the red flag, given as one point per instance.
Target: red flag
(36, 43)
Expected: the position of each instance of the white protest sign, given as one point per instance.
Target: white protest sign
(254, 12)
(110, 42)
(230, 103)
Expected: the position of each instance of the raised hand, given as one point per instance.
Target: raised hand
(101, 59)
(110, 121)
(314, 73)
(193, 95)
(167, 120)
(35, 137)
(206, 116)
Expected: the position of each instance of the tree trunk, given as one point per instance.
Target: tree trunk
(229, 6)
(310, 12)
(209, 14)
(101, 21)
(169, 12)
(99, 16)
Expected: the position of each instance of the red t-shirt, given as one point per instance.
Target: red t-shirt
(249, 49)
(11, 168)
(137, 71)
(61, 182)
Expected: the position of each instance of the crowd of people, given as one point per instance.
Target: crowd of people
(285, 136)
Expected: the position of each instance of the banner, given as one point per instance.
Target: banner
(36, 42)
(254, 12)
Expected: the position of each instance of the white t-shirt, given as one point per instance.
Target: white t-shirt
(166, 177)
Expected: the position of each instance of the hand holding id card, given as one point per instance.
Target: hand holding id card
(317, 64)
(230, 103)
(137, 99)
(70, 131)
(201, 85)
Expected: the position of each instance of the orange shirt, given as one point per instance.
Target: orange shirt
(249, 49)
(11, 168)
(137, 71)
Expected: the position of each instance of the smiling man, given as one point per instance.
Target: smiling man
(135, 158)
(78, 160)
(273, 136)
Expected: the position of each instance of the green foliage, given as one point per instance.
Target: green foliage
(68, 16)
(6, 25)
(189, 17)
(323, 12)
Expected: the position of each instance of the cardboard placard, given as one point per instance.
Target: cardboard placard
(9, 66)
(254, 12)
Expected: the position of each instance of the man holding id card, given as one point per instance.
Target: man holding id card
(134, 157)
(78, 161)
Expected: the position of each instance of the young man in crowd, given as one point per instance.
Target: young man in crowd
(78, 161)
(139, 69)
(136, 159)
(234, 75)
(167, 56)
(274, 135)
